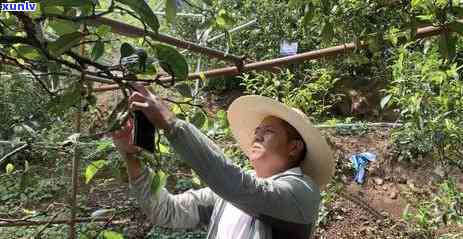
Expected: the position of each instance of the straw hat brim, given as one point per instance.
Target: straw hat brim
(247, 112)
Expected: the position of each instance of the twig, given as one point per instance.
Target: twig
(16, 62)
(182, 102)
(22, 219)
(89, 42)
(12, 153)
(363, 205)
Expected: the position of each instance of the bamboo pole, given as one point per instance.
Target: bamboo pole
(269, 65)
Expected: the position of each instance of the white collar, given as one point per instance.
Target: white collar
(292, 171)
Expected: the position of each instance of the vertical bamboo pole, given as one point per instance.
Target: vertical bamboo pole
(76, 154)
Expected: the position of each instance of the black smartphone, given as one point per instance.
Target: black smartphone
(143, 131)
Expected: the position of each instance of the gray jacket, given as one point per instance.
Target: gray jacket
(282, 206)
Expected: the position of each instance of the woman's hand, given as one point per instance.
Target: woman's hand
(152, 106)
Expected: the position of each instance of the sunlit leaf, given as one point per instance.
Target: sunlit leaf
(28, 52)
(112, 235)
(9, 168)
(103, 30)
(144, 11)
(223, 20)
(158, 182)
(92, 169)
(163, 149)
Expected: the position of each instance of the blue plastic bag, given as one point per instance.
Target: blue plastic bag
(359, 162)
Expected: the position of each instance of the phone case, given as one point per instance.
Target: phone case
(143, 131)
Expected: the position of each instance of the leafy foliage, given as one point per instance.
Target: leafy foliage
(313, 95)
(443, 209)
(429, 92)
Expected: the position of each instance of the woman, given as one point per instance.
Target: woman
(279, 199)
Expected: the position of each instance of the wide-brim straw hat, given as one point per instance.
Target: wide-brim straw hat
(247, 112)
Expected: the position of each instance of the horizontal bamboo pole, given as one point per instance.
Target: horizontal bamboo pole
(283, 61)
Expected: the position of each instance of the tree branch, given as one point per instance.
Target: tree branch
(85, 61)
(16, 63)
(13, 153)
(10, 40)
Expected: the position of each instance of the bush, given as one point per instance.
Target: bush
(313, 94)
(429, 92)
(444, 209)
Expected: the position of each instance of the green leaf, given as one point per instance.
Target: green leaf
(184, 89)
(223, 20)
(295, 3)
(64, 43)
(9, 168)
(28, 52)
(144, 12)
(327, 32)
(102, 30)
(417, 3)
(92, 169)
(126, 49)
(309, 15)
(163, 149)
(158, 182)
(98, 50)
(385, 100)
(456, 27)
(172, 61)
(112, 235)
(62, 27)
(195, 180)
(104, 144)
(198, 119)
(171, 10)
